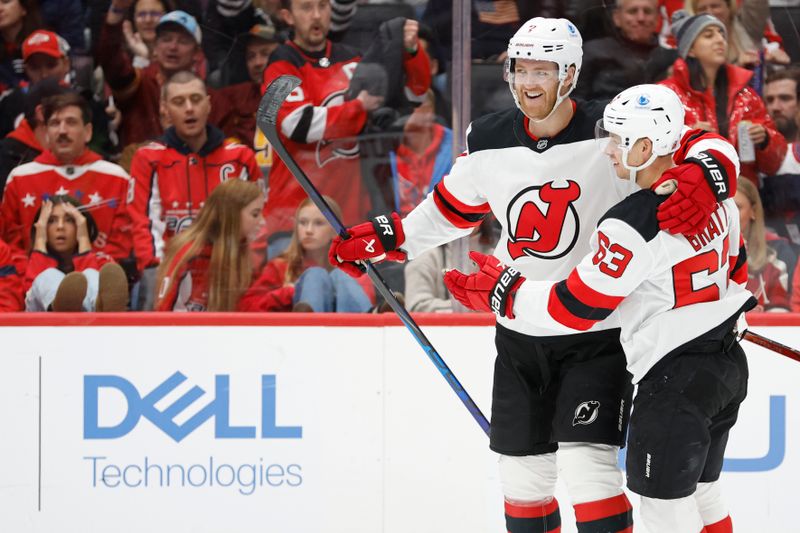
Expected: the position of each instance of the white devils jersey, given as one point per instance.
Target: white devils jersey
(548, 194)
(667, 289)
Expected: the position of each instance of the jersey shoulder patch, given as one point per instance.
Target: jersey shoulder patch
(639, 212)
(493, 131)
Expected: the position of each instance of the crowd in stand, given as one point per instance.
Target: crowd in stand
(133, 177)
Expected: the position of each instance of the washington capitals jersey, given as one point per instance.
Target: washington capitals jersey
(548, 194)
(103, 189)
(668, 289)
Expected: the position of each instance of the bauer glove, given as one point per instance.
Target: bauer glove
(688, 209)
(491, 288)
(376, 240)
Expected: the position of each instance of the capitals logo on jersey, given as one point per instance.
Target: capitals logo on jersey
(542, 220)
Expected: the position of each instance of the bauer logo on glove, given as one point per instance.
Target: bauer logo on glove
(491, 288)
(376, 240)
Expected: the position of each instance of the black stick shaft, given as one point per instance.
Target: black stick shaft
(266, 118)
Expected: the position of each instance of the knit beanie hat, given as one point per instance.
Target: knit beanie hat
(686, 28)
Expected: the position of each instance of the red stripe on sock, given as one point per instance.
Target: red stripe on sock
(598, 509)
(723, 526)
(517, 510)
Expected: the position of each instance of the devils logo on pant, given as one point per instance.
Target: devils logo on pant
(543, 222)
(586, 413)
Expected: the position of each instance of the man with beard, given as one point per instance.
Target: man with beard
(536, 166)
(781, 94)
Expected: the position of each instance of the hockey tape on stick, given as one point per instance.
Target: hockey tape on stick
(770, 344)
(266, 119)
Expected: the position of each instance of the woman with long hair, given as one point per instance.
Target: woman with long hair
(745, 22)
(717, 97)
(302, 279)
(63, 273)
(207, 267)
(768, 270)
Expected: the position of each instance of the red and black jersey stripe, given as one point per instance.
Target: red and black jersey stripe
(568, 303)
(737, 272)
(458, 213)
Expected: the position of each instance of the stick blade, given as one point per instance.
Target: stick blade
(271, 102)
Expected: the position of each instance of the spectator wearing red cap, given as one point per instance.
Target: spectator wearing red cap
(46, 55)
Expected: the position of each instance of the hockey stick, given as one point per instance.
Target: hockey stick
(770, 344)
(266, 118)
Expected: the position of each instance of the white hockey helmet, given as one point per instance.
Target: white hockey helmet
(643, 112)
(546, 39)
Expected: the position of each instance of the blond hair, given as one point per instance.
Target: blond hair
(294, 255)
(219, 225)
(755, 236)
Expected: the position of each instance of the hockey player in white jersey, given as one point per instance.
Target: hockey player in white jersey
(678, 299)
(537, 168)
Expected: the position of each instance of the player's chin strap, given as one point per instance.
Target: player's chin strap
(633, 170)
(559, 99)
(510, 79)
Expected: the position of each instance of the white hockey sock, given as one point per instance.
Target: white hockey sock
(670, 516)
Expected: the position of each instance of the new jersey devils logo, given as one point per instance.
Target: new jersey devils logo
(586, 413)
(543, 222)
(326, 150)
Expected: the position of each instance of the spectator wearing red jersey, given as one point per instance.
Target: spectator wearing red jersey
(68, 167)
(716, 94)
(302, 279)
(175, 175)
(316, 124)
(28, 139)
(208, 266)
(63, 273)
(11, 291)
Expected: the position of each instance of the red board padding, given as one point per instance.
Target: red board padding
(293, 319)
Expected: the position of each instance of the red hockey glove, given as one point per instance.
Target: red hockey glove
(492, 288)
(688, 209)
(375, 240)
